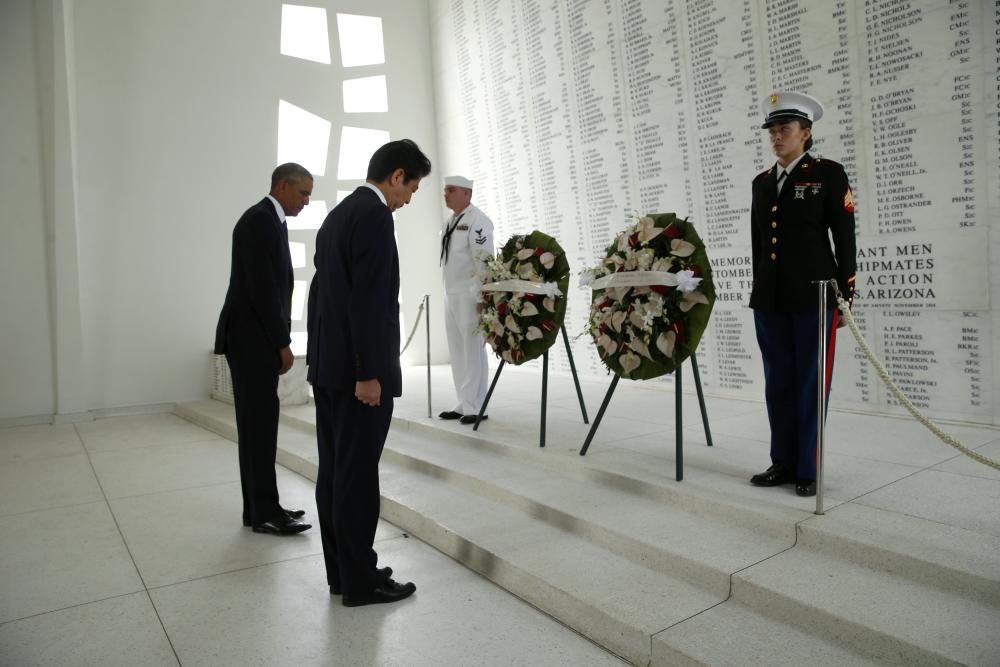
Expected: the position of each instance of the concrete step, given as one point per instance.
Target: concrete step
(710, 495)
(662, 536)
(861, 586)
(709, 571)
(735, 635)
(886, 615)
(954, 559)
(608, 598)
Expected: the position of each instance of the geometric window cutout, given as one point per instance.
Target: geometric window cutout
(356, 147)
(365, 95)
(303, 33)
(298, 253)
(342, 194)
(299, 292)
(303, 137)
(311, 217)
(299, 343)
(360, 40)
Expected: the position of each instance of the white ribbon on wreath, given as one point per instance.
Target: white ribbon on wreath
(684, 281)
(550, 289)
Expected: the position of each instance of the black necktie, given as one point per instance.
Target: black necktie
(446, 239)
(781, 180)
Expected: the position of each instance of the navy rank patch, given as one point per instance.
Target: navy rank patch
(480, 237)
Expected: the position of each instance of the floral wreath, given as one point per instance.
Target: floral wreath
(523, 297)
(653, 294)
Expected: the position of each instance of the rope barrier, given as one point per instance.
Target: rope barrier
(900, 396)
(409, 338)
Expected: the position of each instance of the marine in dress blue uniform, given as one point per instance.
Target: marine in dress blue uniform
(799, 205)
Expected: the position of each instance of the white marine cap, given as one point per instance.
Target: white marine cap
(780, 106)
(458, 181)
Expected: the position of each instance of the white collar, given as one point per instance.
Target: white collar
(277, 208)
(791, 165)
(374, 189)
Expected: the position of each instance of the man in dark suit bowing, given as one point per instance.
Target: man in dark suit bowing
(253, 333)
(354, 368)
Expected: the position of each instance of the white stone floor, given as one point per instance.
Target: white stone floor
(122, 545)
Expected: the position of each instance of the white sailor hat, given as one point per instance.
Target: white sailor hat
(780, 106)
(458, 181)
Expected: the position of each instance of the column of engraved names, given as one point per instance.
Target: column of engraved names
(854, 382)
(921, 90)
(992, 65)
(599, 124)
(489, 189)
(961, 22)
(941, 360)
(590, 124)
(644, 86)
(657, 104)
(724, 86)
(510, 125)
(735, 366)
(671, 43)
(468, 89)
(809, 51)
(972, 347)
(912, 364)
(991, 55)
(557, 212)
(731, 324)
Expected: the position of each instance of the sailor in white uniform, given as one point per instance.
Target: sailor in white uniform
(466, 242)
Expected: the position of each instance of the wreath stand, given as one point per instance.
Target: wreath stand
(679, 473)
(545, 388)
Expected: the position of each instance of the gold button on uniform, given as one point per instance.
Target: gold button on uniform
(774, 240)
(774, 255)
(774, 225)
(774, 208)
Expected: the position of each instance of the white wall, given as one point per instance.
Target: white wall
(26, 373)
(573, 117)
(175, 106)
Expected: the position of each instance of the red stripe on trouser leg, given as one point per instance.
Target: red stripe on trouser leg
(830, 347)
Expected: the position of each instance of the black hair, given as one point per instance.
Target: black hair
(290, 171)
(402, 154)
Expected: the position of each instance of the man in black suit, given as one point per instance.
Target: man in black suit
(253, 333)
(354, 368)
(799, 205)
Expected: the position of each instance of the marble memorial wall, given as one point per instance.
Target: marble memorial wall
(573, 116)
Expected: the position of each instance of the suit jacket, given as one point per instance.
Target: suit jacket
(256, 316)
(353, 320)
(790, 235)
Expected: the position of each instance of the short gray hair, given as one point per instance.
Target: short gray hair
(290, 171)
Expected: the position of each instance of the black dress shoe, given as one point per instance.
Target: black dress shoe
(471, 419)
(281, 525)
(805, 487)
(292, 514)
(776, 475)
(383, 573)
(450, 414)
(387, 591)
